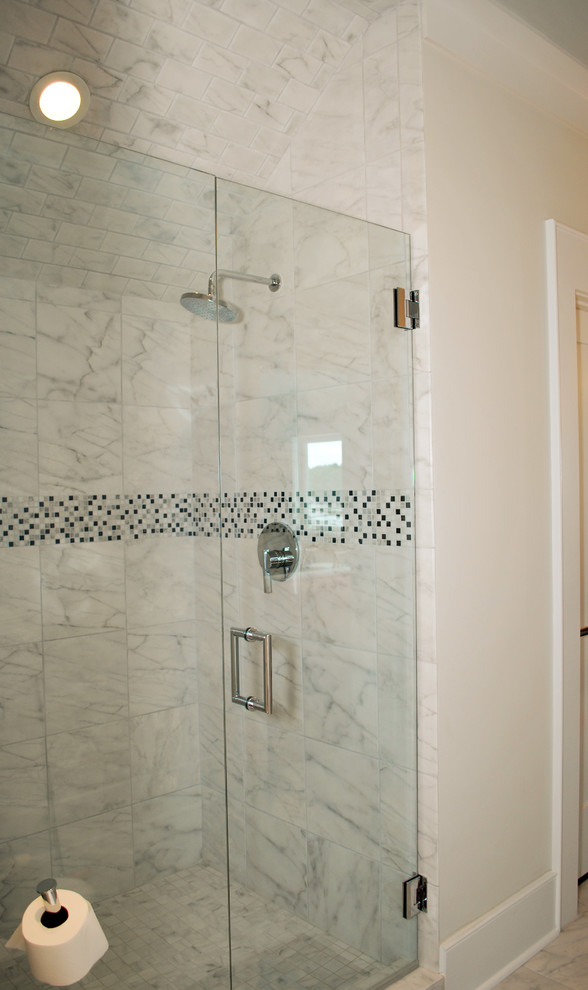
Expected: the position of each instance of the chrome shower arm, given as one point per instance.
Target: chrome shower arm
(272, 281)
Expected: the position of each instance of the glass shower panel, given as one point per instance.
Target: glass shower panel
(315, 424)
(109, 578)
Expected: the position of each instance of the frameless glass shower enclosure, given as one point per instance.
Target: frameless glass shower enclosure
(207, 572)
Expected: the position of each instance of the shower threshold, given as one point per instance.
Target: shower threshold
(171, 934)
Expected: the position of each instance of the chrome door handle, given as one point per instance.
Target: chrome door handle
(251, 635)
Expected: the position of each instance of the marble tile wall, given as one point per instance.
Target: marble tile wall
(266, 116)
(113, 731)
(100, 739)
(322, 795)
(222, 86)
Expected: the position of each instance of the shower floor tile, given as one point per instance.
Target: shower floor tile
(171, 934)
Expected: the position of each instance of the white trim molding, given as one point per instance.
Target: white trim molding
(512, 53)
(483, 953)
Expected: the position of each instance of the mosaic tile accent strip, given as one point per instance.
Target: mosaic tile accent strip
(92, 518)
(380, 518)
(324, 517)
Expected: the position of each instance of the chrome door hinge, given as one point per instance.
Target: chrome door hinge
(407, 310)
(414, 896)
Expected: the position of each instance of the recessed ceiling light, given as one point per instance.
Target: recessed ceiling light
(60, 99)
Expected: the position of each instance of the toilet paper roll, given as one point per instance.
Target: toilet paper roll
(61, 956)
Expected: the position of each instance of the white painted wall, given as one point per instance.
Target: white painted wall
(497, 168)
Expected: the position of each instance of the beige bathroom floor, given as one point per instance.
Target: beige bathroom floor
(561, 965)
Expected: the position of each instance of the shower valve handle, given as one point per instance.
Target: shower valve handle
(278, 553)
(272, 560)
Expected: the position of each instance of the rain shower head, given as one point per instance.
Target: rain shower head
(202, 304)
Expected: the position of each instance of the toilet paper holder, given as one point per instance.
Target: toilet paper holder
(54, 914)
(48, 891)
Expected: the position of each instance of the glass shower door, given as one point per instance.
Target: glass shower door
(315, 433)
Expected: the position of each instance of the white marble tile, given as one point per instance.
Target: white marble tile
(332, 333)
(19, 467)
(122, 22)
(331, 139)
(398, 791)
(94, 856)
(209, 651)
(212, 750)
(82, 589)
(334, 18)
(264, 341)
(156, 363)
(427, 717)
(338, 596)
(410, 93)
(78, 353)
(21, 680)
(327, 246)
(159, 581)
(414, 205)
(425, 517)
(205, 443)
(164, 752)
(157, 449)
(264, 432)
(276, 861)
(341, 414)
(274, 770)
(395, 600)
(288, 27)
(428, 826)
(39, 150)
(89, 771)
(105, 299)
(382, 29)
(392, 434)
(85, 681)
(343, 797)
(35, 25)
(382, 103)
(24, 807)
(162, 667)
(133, 60)
(175, 10)
(344, 193)
(167, 834)
(80, 447)
(20, 596)
(17, 343)
(397, 709)
(214, 835)
(340, 697)
(22, 862)
(426, 613)
(213, 562)
(344, 895)
(79, 40)
(211, 25)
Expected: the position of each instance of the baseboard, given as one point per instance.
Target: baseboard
(583, 839)
(482, 954)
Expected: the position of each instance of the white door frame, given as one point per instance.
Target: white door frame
(567, 273)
